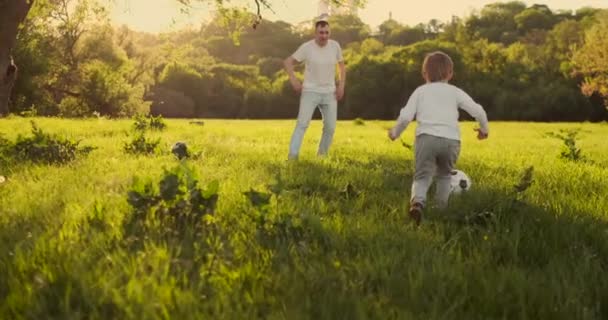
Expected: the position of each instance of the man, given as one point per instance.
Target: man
(319, 89)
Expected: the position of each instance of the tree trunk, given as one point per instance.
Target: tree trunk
(12, 14)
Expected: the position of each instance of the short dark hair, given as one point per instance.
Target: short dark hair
(321, 24)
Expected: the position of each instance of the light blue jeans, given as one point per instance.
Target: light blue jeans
(309, 101)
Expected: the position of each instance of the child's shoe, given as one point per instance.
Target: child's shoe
(416, 212)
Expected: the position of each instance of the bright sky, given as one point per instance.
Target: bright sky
(165, 15)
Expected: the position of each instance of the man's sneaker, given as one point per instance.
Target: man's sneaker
(416, 212)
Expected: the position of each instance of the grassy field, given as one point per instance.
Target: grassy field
(333, 242)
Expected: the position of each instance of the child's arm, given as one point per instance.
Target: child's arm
(466, 103)
(406, 116)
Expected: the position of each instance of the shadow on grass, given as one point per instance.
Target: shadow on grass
(350, 253)
(491, 254)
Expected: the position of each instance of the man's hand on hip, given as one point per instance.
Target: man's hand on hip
(297, 86)
(339, 93)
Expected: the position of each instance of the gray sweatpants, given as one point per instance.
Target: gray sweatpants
(435, 156)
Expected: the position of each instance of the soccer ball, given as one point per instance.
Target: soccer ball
(180, 150)
(460, 182)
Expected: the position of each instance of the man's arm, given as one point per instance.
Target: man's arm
(295, 82)
(342, 82)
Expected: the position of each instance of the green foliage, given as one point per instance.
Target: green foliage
(280, 230)
(349, 192)
(359, 122)
(100, 44)
(496, 21)
(512, 203)
(590, 62)
(270, 66)
(29, 113)
(43, 147)
(570, 150)
(269, 40)
(224, 90)
(108, 92)
(174, 207)
(520, 62)
(140, 123)
(73, 65)
(403, 36)
(348, 28)
(157, 123)
(526, 181)
(71, 107)
(535, 17)
(141, 144)
(5, 146)
(276, 229)
(143, 123)
(258, 199)
(562, 41)
(366, 98)
(531, 79)
(35, 63)
(371, 46)
(179, 75)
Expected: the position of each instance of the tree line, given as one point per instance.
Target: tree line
(520, 62)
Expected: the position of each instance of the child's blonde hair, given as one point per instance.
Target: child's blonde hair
(437, 66)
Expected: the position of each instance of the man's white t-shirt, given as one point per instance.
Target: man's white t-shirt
(320, 70)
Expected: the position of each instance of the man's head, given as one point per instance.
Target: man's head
(322, 32)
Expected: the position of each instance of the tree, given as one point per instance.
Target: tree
(268, 40)
(405, 36)
(73, 64)
(371, 46)
(433, 27)
(562, 41)
(386, 28)
(586, 12)
(372, 99)
(33, 53)
(348, 28)
(496, 21)
(591, 61)
(535, 17)
(13, 14)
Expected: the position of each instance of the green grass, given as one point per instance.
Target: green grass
(322, 253)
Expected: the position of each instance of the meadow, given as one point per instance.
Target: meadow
(238, 232)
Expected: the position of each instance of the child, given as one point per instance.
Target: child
(435, 107)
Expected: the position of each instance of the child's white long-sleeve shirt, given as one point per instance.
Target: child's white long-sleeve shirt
(435, 106)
